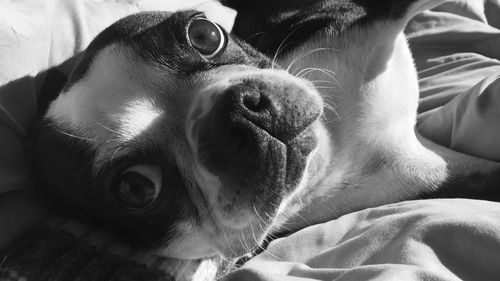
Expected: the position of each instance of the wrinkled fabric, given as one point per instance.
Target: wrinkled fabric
(445, 240)
(457, 51)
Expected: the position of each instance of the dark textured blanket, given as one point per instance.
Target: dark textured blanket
(63, 249)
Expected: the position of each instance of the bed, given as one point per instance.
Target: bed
(457, 52)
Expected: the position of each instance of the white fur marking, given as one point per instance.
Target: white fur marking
(137, 117)
(111, 101)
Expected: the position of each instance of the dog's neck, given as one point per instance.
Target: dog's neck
(371, 115)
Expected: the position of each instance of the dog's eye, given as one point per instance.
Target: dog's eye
(206, 37)
(138, 187)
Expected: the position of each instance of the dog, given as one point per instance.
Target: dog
(192, 144)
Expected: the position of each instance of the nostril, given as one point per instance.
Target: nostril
(256, 102)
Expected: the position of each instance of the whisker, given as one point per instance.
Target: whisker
(266, 251)
(107, 128)
(253, 35)
(255, 240)
(278, 51)
(285, 228)
(324, 87)
(327, 72)
(260, 218)
(74, 136)
(305, 54)
(268, 216)
(304, 72)
(230, 262)
(229, 244)
(329, 107)
(300, 200)
(115, 152)
(322, 81)
(304, 219)
(243, 242)
(112, 140)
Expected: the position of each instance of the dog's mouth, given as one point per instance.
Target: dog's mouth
(253, 147)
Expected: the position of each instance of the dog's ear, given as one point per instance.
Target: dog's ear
(231, 3)
(260, 21)
(398, 9)
(406, 8)
(253, 16)
(394, 13)
(418, 6)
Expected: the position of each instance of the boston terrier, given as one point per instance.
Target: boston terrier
(192, 144)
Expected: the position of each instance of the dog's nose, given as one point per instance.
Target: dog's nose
(283, 111)
(247, 117)
(256, 138)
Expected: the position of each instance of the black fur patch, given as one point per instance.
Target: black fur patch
(67, 180)
(277, 25)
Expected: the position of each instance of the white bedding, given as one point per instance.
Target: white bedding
(448, 239)
(457, 50)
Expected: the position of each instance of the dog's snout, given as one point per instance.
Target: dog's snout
(283, 111)
(256, 137)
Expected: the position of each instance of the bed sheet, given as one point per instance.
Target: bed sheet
(457, 51)
(447, 239)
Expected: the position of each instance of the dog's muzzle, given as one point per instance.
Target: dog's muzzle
(256, 139)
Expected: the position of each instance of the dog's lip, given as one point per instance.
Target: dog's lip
(216, 229)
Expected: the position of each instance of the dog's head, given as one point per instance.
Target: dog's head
(179, 135)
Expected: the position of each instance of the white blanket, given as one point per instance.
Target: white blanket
(449, 239)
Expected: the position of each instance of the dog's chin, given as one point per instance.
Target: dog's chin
(234, 243)
(252, 190)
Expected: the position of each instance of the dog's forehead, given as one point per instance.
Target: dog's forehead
(122, 32)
